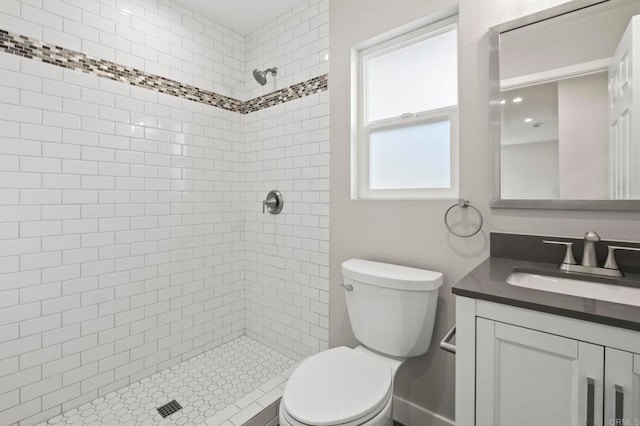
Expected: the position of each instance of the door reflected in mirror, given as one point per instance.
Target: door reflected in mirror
(570, 106)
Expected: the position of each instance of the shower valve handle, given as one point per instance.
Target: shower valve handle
(271, 203)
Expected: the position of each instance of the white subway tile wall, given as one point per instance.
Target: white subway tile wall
(131, 233)
(297, 43)
(156, 36)
(287, 255)
(120, 235)
(287, 148)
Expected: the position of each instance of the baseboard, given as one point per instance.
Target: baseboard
(410, 414)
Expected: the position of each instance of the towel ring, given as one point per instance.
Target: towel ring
(462, 203)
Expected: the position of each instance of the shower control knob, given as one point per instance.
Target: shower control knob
(273, 203)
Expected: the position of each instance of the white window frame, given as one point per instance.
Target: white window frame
(361, 136)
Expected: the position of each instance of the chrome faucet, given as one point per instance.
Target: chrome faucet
(589, 264)
(589, 258)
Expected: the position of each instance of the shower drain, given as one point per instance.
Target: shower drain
(169, 408)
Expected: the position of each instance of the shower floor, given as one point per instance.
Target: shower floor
(227, 386)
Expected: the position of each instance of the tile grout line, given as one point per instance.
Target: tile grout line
(30, 48)
(223, 404)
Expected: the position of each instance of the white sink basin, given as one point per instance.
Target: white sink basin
(577, 287)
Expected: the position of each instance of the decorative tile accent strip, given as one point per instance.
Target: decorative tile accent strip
(27, 47)
(300, 90)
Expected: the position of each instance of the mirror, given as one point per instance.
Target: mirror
(566, 108)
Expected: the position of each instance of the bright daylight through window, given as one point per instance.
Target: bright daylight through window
(407, 104)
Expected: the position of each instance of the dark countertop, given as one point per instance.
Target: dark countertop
(488, 282)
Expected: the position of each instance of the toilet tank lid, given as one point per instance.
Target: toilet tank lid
(391, 276)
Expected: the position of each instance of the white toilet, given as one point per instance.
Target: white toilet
(392, 310)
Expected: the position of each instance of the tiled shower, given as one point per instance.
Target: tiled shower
(135, 152)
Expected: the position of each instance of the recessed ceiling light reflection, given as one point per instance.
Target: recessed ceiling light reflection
(517, 100)
(502, 102)
(528, 120)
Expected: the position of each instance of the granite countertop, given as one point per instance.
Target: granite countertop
(488, 282)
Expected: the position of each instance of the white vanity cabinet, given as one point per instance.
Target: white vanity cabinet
(522, 367)
(622, 386)
(522, 371)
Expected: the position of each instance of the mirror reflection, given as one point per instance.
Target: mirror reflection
(570, 106)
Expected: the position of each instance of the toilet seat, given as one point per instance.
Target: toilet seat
(382, 418)
(340, 386)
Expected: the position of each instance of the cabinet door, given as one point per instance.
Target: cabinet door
(622, 388)
(528, 378)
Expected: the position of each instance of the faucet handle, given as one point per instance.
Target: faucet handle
(611, 263)
(569, 259)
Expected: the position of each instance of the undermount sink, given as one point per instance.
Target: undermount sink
(577, 287)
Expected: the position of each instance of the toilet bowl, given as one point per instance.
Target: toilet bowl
(392, 311)
(340, 386)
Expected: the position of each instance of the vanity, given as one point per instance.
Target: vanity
(530, 357)
(548, 328)
(543, 339)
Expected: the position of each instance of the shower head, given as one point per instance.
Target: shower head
(261, 76)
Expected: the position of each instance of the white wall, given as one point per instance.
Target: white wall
(287, 148)
(564, 41)
(530, 171)
(411, 232)
(583, 130)
(120, 248)
(122, 210)
(296, 42)
(159, 37)
(287, 255)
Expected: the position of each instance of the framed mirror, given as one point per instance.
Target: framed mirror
(565, 108)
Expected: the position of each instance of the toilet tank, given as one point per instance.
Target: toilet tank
(392, 308)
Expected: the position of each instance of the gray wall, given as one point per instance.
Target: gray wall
(529, 170)
(411, 232)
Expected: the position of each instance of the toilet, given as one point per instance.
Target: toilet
(392, 311)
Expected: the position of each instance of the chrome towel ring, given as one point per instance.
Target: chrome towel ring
(462, 203)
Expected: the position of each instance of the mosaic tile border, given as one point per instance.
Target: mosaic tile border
(30, 48)
(300, 90)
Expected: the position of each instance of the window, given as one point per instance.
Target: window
(406, 139)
